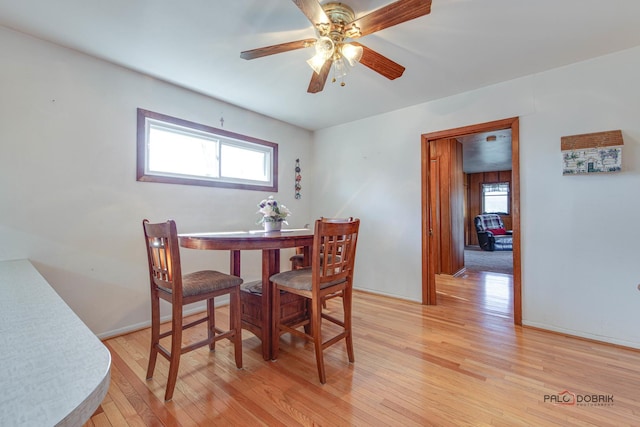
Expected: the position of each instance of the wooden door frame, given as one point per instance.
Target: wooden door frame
(428, 274)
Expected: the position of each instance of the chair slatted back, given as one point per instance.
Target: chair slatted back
(334, 249)
(163, 255)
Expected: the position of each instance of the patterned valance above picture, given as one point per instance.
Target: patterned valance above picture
(592, 152)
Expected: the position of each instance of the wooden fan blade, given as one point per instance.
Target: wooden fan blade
(313, 11)
(318, 80)
(380, 64)
(390, 15)
(276, 48)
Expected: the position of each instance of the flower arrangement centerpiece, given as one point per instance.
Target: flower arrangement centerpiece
(273, 214)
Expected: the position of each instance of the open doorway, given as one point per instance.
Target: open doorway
(486, 165)
(431, 241)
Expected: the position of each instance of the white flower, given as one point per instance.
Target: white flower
(272, 211)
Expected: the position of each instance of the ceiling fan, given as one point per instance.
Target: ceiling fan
(335, 25)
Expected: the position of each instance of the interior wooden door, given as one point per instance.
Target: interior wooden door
(446, 205)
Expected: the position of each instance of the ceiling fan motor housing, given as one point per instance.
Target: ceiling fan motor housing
(340, 15)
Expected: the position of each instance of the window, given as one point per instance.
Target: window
(495, 198)
(177, 151)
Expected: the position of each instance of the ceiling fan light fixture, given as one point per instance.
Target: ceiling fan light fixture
(325, 47)
(316, 63)
(324, 51)
(340, 68)
(351, 53)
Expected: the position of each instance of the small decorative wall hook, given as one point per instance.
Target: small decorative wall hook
(298, 187)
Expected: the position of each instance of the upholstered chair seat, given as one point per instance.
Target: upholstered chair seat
(301, 279)
(205, 281)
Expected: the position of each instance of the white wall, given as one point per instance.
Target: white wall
(580, 234)
(69, 199)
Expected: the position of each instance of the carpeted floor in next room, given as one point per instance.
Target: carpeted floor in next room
(475, 259)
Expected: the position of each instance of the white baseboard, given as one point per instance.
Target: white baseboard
(582, 334)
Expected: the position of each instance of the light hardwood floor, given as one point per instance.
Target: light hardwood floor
(462, 362)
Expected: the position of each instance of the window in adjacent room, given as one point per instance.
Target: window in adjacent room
(495, 198)
(177, 151)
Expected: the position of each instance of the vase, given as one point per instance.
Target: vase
(272, 225)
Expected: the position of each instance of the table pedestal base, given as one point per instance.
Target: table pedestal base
(293, 309)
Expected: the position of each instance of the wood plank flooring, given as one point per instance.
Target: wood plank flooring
(462, 362)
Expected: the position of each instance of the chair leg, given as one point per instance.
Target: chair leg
(307, 326)
(347, 296)
(211, 323)
(235, 323)
(275, 338)
(155, 335)
(176, 349)
(316, 328)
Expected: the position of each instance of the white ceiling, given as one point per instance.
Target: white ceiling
(486, 151)
(460, 46)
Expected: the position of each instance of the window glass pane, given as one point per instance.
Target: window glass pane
(240, 162)
(495, 198)
(173, 152)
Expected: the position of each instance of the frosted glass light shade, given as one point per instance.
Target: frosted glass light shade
(340, 68)
(316, 63)
(325, 47)
(351, 53)
(324, 51)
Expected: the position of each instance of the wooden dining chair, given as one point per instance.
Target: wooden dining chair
(168, 283)
(297, 260)
(331, 273)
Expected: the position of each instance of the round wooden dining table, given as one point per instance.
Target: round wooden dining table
(270, 244)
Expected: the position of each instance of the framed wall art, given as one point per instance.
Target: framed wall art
(592, 153)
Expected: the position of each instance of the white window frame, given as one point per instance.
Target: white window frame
(222, 138)
(508, 195)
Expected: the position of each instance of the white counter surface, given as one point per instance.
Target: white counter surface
(53, 369)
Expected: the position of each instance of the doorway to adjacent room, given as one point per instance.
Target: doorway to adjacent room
(438, 229)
